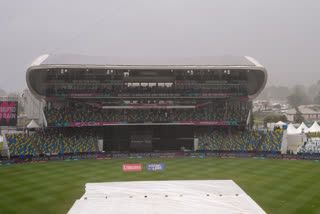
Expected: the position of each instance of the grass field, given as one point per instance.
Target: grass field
(278, 186)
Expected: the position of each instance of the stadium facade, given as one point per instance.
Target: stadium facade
(141, 105)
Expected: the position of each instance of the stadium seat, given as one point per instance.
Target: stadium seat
(210, 142)
(20, 144)
(56, 117)
(272, 141)
(60, 145)
(246, 141)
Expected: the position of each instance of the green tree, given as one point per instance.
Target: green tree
(298, 96)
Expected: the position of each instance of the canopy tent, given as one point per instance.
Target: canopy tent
(33, 125)
(291, 129)
(280, 123)
(304, 127)
(314, 128)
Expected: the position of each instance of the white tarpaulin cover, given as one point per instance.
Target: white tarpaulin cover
(314, 128)
(176, 197)
(304, 127)
(291, 129)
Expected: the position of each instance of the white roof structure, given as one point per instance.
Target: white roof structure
(314, 128)
(185, 197)
(33, 125)
(291, 129)
(36, 73)
(304, 127)
(280, 123)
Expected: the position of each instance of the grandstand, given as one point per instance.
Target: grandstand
(140, 105)
(20, 144)
(272, 141)
(311, 146)
(246, 141)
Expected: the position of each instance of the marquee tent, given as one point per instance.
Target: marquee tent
(304, 127)
(314, 128)
(291, 129)
(280, 123)
(33, 125)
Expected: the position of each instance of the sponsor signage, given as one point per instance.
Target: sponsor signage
(131, 167)
(79, 124)
(219, 123)
(155, 167)
(8, 113)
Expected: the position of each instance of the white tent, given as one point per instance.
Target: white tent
(280, 123)
(304, 127)
(314, 128)
(33, 125)
(291, 129)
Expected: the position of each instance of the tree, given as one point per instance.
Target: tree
(298, 96)
(295, 100)
(317, 99)
(298, 118)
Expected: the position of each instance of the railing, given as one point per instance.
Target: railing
(5, 146)
(44, 118)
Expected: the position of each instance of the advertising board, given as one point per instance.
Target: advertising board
(8, 113)
(155, 167)
(131, 167)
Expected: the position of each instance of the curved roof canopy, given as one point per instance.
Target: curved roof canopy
(257, 78)
(72, 59)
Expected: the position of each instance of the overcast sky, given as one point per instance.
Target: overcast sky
(283, 35)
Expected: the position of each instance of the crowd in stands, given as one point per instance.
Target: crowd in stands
(272, 141)
(62, 116)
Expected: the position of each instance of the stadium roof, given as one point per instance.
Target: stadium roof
(257, 77)
(70, 59)
(171, 197)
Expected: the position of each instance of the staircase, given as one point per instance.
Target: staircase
(34, 143)
(223, 143)
(258, 148)
(96, 144)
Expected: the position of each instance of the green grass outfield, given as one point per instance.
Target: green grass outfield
(278, 186)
